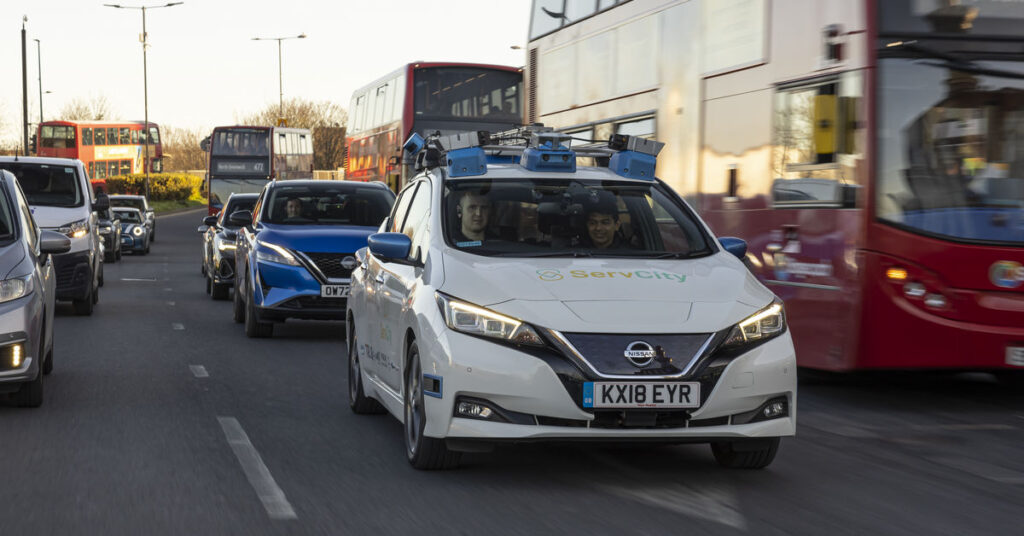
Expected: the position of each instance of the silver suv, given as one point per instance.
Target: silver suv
(27, 293)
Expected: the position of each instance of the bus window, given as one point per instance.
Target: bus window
(459, 92)
(113, 169)
(92, 169)
(126, 137)
(154, 135)
(100, 136)
(87, 137)
(126, 167)
(111, 136)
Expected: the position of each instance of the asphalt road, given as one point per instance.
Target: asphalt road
(162, 418)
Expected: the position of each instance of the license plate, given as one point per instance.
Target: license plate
(641, 395)
(333, 291)
(1015, 356)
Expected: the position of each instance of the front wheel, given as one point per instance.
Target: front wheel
(84, 306)
(746, 453)
(239, 306)
(253, 327)
(423, 452)
(219, 291)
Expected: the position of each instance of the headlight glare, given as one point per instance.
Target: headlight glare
(764, 324)
(226, 246)
(268, 252)
(137, 231)
(474, 320)
(75, 229)
(14, 288)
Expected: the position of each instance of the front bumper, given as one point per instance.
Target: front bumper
(543, 394)
(130, 242)
(292, 292)
(74, 275)
(18, 320)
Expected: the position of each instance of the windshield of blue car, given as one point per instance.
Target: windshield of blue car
(48, 185)
(570, 218)
(328, 203)
(128, 216)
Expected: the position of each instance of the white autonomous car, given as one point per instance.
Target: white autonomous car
(512, 296)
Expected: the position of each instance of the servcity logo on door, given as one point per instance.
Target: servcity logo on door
(1006, 274)
(558, 275)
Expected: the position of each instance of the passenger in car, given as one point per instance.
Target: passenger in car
(474, 213)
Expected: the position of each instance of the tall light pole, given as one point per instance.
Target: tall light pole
(24, 83)
(39, 59)
(145, 80)
(280, 79)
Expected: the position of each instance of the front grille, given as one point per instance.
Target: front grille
(606, 353)
(314, 303)
(330, 264)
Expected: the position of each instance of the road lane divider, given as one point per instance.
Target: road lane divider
(199, 371)
(270, 494)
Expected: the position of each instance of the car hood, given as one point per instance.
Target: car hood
(10, 257)
(54, 217)
(610, 295)
(317, 238)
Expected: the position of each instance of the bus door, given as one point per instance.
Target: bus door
(810, 251)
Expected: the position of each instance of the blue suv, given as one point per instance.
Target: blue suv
(296, 250)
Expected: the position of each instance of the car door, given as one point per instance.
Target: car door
(245, 246)
(378, 334)
(43, 264)
(398, 282)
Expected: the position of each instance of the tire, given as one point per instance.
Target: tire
(219, 291)
(152, 235)
(48, 363)
(100, 282)
(255, 329)
(728, 455)
(357, 399)
(202, 268)
(84, 306)
(95, 295)
(209, 285)
(146, 251)
(425, 453)
(31, 393)
(239, 307)
(118, 254)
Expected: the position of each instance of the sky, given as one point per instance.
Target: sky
(204, 69)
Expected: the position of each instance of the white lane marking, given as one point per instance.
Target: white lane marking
(709, 500)
(168, 289)
(199, 371)
(138, 279)
(170, 303)
(178, 327)
(256, 471)
(983, 469)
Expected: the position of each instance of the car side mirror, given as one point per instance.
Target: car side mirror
(210, 221)
(53, 243)
(101, 204)
(736, 246)
(389, 246)
(241, 218)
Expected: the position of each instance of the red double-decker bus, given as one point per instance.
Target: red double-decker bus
(107, 148)
(871, 152)
(424, 98)
(242, 159)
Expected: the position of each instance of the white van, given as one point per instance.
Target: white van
(61, 200)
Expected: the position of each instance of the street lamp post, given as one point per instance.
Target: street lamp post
(145, 81)
(39, 60)
(280, 78)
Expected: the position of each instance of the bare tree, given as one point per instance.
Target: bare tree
(181, 149)
(325, 119)
(92, 109)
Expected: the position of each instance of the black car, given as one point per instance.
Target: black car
(219, 245)
(110, 231)
(139, 202)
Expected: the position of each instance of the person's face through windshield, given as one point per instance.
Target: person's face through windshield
(474, 210)
(601, 228)
(293, 208)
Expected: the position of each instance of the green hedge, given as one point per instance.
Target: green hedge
(162, 186)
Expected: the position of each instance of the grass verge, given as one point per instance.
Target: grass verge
(171, 206)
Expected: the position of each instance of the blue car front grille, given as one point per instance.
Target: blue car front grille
(330, 264)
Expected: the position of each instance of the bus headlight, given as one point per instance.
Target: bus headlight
(474, 320)
(762, 325)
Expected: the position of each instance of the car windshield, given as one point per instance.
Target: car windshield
(6, 219)
(951, 148)
(130, 202)
(128, 216)
(559, 217)
(328, 203)
(235, 205)
(48, 185)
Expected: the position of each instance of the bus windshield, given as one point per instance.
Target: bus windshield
(951, 148)
(465, 93)
(570, 218)
(241, 142)
(221, 189)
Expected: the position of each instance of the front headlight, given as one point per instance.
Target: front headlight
(762, 325)
(226, 246)
(474, 320)
(75, 229)
(14, 288)
(137, 231)
(268, 252)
